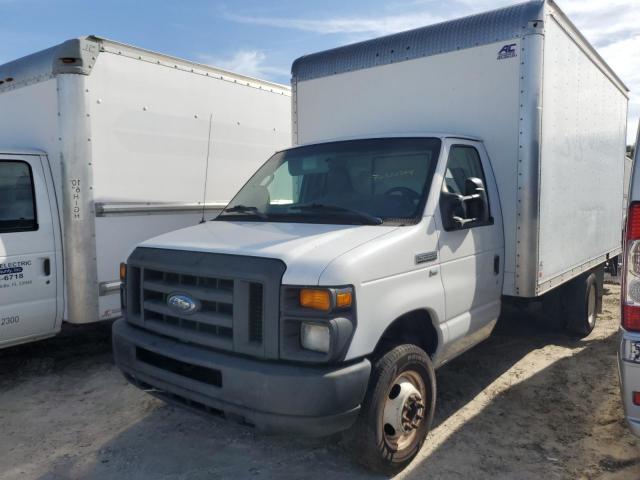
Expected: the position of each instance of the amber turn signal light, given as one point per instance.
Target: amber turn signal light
(326, 299)
(123, 271)
(315, 298)
(343, 299)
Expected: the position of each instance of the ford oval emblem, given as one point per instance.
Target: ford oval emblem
(183, 303)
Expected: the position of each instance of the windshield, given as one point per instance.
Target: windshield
(357, 182)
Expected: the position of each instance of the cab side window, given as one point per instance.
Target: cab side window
(464, 202)
(17, 197)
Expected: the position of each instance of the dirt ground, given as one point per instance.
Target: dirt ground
(525, 404)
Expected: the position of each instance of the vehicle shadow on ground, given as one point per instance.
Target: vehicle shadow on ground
(544, 425)
(55, 354)
(540, 425)
(534, 422)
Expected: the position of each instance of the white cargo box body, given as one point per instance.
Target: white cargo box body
(551, 113)
(126, 132)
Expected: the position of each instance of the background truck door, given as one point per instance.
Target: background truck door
(472, 256)
(28, 259)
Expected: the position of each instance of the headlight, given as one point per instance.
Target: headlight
(316, 323)
(316, 337)
(326, 299)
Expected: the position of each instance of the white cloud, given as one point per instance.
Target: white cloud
(344, 25)
(246, 62)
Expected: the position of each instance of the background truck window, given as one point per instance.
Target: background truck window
(17, 199)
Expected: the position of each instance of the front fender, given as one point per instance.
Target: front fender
(382, 301)
(393, 274)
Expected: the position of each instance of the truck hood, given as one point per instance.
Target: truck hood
(306, 249)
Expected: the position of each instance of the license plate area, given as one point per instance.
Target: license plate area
(210, 376)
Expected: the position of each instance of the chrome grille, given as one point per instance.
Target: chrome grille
(212, 325)
(237, 298)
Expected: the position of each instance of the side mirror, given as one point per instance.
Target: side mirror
(460, 210)
(476, 200)
(452, 209)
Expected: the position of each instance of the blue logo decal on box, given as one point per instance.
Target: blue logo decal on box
(508, 51)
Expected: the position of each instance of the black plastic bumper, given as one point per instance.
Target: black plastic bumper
(274, 397)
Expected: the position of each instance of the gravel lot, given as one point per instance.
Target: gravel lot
(525, 404)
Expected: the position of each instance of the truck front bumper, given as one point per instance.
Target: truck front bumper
(272, 396)
(629, 380)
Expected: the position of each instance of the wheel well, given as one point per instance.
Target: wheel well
(414, 327)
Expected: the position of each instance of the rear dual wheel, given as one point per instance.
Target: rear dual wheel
(397, 410)
(581, 319)
(573, 307)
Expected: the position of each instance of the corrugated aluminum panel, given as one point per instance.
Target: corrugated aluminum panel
(490, 27)
(582, 162)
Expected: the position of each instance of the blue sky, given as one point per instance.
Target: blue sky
(262, 38)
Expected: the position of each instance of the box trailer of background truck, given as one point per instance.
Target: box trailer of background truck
(352, 265)
(103, 145)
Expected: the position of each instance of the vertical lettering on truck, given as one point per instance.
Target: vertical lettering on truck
(75, 199)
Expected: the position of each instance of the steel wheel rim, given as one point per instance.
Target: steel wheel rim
(404, 410)
(591, 307)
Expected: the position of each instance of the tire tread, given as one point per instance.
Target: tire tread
(361, 439)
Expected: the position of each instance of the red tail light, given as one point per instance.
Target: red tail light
(631, 318)
(633, 222)
(630, 294)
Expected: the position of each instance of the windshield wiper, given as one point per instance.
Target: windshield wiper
(244, 209)
(319, 207)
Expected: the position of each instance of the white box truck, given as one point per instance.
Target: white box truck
(437, 173)
(103, 145)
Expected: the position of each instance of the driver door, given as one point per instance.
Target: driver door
(30, 305)
(471, 254)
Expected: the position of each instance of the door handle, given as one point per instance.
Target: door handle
(496, 264)
(46, 266)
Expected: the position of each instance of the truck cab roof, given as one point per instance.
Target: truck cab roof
(20, 151)
(440, 135)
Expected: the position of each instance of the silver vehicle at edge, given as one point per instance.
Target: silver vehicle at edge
(629, 350)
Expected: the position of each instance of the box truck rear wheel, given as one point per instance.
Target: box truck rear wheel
(397, 410)
(582, 307)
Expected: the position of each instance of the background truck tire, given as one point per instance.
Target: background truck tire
(582, 304)
(397, 410)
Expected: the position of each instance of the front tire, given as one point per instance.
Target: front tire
(397, 410)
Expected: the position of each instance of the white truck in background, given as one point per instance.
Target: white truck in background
(437, 173)
(103, 145)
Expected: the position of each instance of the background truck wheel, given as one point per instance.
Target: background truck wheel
(582, 305)
(397, 410)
